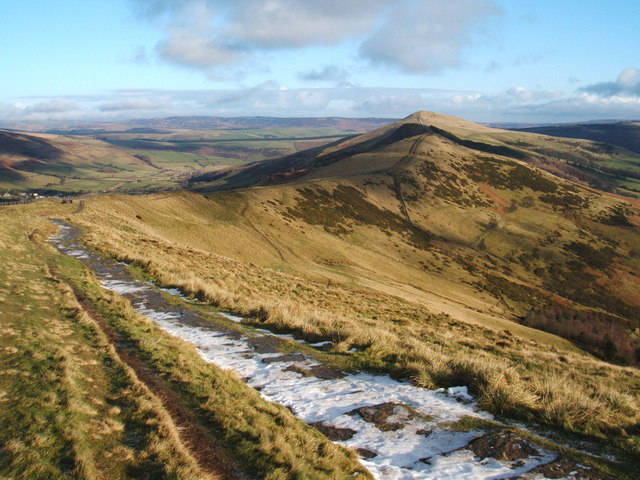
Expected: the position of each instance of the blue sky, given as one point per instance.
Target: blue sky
(485, 60)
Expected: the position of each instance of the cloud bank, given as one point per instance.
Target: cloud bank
(413, 36)
(626, 85)
(617, 99)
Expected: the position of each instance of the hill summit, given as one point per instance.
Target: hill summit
(598, 165)
(549, 251)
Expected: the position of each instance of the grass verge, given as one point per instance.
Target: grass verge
(265, 438)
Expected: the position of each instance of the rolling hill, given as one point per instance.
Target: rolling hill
(621, 134)
(433, 249)
(432, 189)
(622, 170)
(150, 155)
(136, 162)
(604, 166)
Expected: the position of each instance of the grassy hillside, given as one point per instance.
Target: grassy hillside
(55, 163)
(623, 169)
(435, 270)
(90, 389)
(603, 166)
(141, 160)
(561, 250)
(621, 134)
(431, 249)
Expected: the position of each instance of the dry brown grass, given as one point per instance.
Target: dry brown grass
(510, 374)
(68, 402)
(265, 438)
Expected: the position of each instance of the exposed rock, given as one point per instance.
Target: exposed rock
(234, 335)
(288, 357)
(380, 415)
(326, 373)
(320, 371)
(364, 453)
(424, 431)
(298, 369)
(266, 344)
(502, 446)
(562, 468)
(334, 434)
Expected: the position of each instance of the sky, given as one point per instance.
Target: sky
(494, 61)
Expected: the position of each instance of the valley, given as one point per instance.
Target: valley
(436, 251)
(143, 157)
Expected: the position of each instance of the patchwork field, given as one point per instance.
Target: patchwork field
(143, 160)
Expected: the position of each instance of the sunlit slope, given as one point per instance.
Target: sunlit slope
(417, 251)
(596, 164)
(465, 227)
(82, 164)
(337, 260)
(481, 246)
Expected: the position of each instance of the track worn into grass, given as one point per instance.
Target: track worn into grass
(199, 442)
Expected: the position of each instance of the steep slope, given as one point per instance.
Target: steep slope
(603, 166)
(549, 252)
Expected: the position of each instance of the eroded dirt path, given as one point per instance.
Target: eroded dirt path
(201, 442)
(400, 431)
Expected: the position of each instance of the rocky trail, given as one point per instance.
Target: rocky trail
(400, 431)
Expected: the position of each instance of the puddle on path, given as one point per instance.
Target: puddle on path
(395, 427)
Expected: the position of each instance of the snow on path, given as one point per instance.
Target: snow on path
(420, 449)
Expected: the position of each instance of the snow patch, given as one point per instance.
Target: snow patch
(421, 447)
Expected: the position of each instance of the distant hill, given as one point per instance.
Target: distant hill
(142, 159)
(12, 143)
(223, 123)
(58, 164)
(621, 134)
(599, 165)
(200, 123)
(553, 254)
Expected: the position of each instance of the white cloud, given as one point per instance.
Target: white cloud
(426, 36)
(398, 104)
(135, 104)
(52, 106)
(300, 23)
(627, 84)
(329, 73)
(195, 49)
(410, 35)
(270, 98)
(629, 78)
